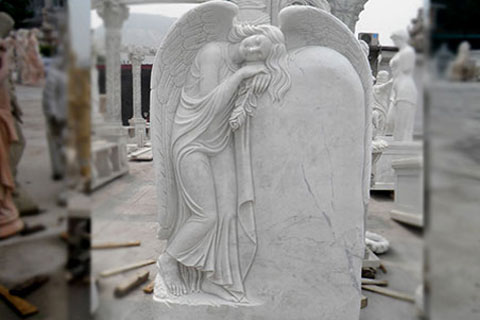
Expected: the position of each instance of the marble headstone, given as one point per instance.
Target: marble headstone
(262, 144)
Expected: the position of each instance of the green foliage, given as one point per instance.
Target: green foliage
(19, 10)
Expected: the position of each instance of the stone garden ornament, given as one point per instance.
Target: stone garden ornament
(401, 115)
(250, 158)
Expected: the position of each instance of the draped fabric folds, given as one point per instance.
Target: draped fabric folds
(224, 253)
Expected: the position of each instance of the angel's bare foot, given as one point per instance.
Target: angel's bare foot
(168, 268)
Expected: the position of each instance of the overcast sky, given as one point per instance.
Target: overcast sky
(380, 16)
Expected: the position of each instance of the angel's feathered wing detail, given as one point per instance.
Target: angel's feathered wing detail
(307, 26)
(208, 22)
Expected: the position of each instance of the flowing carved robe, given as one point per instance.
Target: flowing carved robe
(201, 124)
(8, 135)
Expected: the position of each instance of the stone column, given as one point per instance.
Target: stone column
(136, 56)
(113, 14)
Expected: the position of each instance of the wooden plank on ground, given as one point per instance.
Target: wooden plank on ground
(364, 302)
(22, 307)
(390, 293)
(148, 289)
(114, 245)
(381, 283)
(114, 271)
(130, 285)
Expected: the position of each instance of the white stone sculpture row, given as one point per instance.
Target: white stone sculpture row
(26, 59)
(393, 116)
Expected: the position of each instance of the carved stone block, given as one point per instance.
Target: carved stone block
(408, 191)
(383, 170)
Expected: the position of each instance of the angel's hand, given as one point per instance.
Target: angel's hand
(252, 70)
(261, 82)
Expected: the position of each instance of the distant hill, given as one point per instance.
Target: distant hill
(139, 29)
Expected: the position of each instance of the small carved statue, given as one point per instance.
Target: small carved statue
(33, 60)
(381, 100)
(21, 45)
(401, 115)
(417, 32)
(463, 68)
(443, 58)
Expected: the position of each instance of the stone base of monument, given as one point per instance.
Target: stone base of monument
(108, 162)
(138, 132)
(408, 191)
(384, 173)
(141, 154)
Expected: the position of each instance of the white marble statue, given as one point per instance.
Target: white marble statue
(401, 115)
(250, 151)
(213, 178)
(381, 100)
(463, 67)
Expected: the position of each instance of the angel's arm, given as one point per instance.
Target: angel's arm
(209, 59)
(387, 86)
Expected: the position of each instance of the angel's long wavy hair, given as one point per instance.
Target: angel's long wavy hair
(276, 61)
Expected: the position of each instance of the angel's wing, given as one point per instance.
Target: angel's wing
(208, 22)
(308, 26)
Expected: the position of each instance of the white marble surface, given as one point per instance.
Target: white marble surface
(310, 170)
(408, 191)
(401, 115)
(384, 173)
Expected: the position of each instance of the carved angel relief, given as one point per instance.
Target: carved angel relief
(208, 76)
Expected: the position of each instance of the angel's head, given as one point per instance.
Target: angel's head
(264, 43)
(382, 77)
(464, 50)
(255, 48)
(400, 38)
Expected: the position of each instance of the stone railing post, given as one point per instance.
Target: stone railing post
(136, 56)
(113, 14)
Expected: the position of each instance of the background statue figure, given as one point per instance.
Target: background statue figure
(33, 60)
(401, 115)
(211, 228)
(381, 100)
(10, 223)
(463, 67)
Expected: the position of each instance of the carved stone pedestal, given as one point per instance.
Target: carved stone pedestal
(140, 127)
(383, 170)
(108, 162)
(408, 191)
